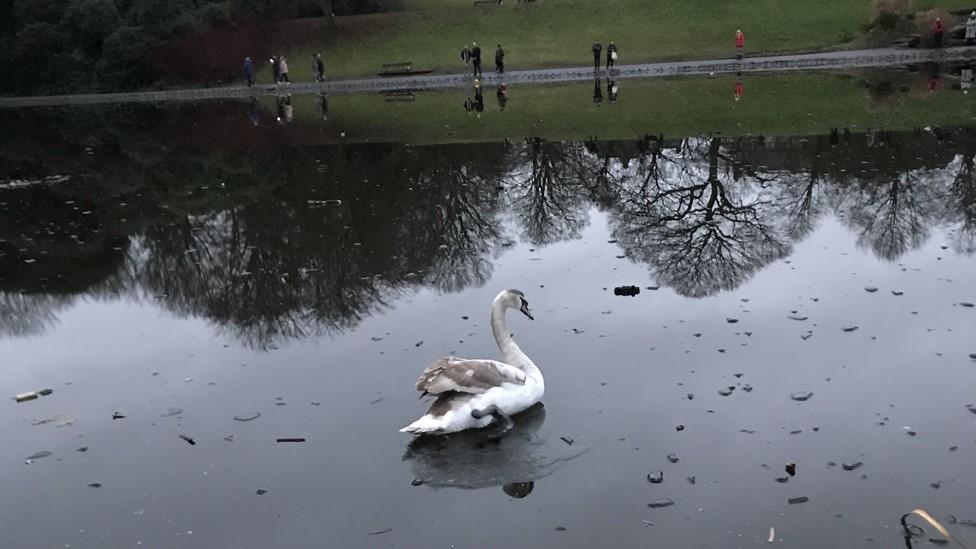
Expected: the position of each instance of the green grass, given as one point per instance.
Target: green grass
(552, 33)
(799, 104)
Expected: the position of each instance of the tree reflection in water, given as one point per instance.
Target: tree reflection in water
(274, 242)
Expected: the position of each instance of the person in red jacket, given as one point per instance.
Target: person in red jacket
(937, 29)
(740, 44)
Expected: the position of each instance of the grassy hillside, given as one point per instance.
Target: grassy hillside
(560, 32)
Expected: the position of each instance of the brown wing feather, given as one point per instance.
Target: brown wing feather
(466, 376)
(446, 402)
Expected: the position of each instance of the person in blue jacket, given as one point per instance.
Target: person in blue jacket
(249, 71)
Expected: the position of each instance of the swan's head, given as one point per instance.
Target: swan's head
(515, 299)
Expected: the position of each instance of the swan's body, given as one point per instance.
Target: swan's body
(473, 393)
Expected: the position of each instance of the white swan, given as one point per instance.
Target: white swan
(474, 393)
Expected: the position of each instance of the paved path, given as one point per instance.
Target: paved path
(779, 63)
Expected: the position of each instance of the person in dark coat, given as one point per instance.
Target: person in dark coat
(597, 49)
(319, 66)
(249, 71)
(476, 58)
(611, 54)
(937, 30)
(275, 69)
(499, 60)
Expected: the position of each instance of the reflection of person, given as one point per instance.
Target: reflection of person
(254, 112)
(966, 78)
(611, 90)
(479, 99)
(283, 70)
(597, 92)
(937, 30)
(502, 94)
(324, 106)
(466, 54)
(499, 60)
(739, 86)
(740, 44)
(611, 54)
(249, 71)
(468, 104)
(597, 48)
(286, 112)
(476, 58)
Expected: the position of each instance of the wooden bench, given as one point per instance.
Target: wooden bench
(402, 68)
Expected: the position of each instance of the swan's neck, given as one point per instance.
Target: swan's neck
(511, 352)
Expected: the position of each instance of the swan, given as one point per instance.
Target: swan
(472, 394)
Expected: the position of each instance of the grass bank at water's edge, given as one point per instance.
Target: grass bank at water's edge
(794, 104)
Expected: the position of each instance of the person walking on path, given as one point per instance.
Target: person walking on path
(249, 71)
(275, 69)
(611, 54)
(971, 29)
(466, 54)
(500, 60)
(740, 44)
(597, 49)
(283, 69)
(476, 58)
(318, 68)
(937, 30)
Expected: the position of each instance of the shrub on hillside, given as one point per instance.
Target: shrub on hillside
(888, 13)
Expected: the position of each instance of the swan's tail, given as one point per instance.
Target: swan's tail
(426, 424)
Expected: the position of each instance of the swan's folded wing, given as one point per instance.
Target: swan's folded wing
(467, 376)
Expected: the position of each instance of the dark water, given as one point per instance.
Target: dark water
(180, 286)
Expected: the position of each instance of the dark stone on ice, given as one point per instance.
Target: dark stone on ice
(673, 458)
(731, 320)
(679, 428)
(726, 391)
(852, 466)
(655, 478)
(261, 491)
(966, 304)
(416, 482)
(801, 499)
(659, 503)
(188, 440)
(971, 408)
(849, 328)
(871, 289)
(791, 469)
(94, 484)
(691, 479)
(782, 480)
(626, 290)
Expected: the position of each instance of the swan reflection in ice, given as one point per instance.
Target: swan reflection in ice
(483, 458)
